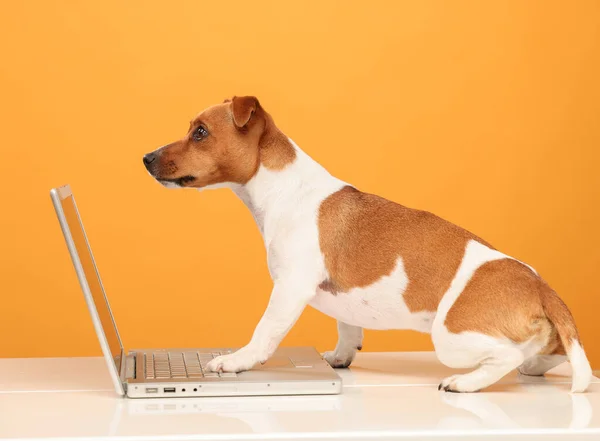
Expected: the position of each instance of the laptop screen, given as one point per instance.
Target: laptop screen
(92, 277)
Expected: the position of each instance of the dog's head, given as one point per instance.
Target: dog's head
(221, 146)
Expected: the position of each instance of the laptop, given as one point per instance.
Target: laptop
(181, 372)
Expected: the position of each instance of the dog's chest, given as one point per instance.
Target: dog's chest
(377, 306)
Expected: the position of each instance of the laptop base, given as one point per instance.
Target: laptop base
(290, 371)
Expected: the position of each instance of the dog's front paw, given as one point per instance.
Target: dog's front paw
(237, 362)
(339, 359)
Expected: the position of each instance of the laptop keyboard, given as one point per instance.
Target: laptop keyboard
(166, 365)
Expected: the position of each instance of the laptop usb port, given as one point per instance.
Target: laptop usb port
(152, 390)
(169, 390)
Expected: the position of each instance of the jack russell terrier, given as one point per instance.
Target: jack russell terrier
(369, 262)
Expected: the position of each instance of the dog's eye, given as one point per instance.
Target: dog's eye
(200, 133)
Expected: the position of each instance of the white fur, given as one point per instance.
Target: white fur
(582, 372)
(167, 184)
(216, 186)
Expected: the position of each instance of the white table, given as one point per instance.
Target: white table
(386, 396)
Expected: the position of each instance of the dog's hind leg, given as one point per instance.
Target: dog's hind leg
(349, 341)
(540, 364)
(491, 319)
(494, 361)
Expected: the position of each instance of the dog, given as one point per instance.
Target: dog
(369, 262)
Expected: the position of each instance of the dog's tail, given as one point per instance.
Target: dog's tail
(560, 316)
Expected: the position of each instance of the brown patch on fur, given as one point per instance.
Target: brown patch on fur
(276, 150)
(241, 137)
(554, 345)
(504, 298)
(362, 235)
(329, 286)
(562, 319)
(558, 349)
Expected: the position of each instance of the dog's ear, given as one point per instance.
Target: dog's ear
(242, 109)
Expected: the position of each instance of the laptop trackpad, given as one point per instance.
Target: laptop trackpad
(275, 362)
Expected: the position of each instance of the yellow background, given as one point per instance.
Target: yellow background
(486, 113)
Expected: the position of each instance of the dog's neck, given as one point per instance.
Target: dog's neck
(270, 195)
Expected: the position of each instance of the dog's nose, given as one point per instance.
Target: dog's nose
(149, 159)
